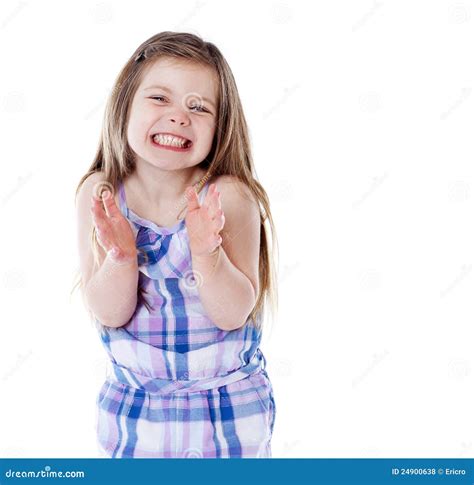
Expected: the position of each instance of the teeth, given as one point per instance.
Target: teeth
(169, 140)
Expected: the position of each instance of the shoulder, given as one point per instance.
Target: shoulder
(235, 192)
(92, 186)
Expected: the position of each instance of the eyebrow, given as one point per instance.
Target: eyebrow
(164, 88)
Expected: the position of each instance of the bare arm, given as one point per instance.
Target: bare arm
(110, 290)
(228, 280)
(111, 293)
(226, 293)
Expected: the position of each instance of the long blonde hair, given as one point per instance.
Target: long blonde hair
(230, 152)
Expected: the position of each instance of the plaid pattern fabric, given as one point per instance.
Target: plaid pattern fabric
(177, 386)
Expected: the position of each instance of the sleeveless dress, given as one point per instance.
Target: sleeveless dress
(177, 386)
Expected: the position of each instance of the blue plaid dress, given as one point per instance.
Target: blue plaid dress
(177, 386)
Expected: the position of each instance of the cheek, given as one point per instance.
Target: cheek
(138, 128)
(207, 131)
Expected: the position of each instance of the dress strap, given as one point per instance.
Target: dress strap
(122, 200)
(202, 194)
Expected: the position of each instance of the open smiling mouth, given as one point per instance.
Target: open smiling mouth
(169, 142)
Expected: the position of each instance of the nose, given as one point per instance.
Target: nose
(180, 118)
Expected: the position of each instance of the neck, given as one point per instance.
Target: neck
(156, 186)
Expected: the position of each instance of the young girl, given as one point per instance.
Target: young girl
(175, 263)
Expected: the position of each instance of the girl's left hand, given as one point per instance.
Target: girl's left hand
(204, 222)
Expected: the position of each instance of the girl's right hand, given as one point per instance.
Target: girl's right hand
(114, 233)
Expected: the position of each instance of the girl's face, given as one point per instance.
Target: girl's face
(174, 97)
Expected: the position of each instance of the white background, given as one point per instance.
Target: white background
(361, 117)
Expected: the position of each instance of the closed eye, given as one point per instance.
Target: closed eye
(200, 107)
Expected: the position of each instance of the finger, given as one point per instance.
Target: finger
(192, 197)
(110, 206)
(98, 213)
(212, 200)
(103, 239)
(219, 220)
(100, 222)
(97, 208)
(217, 241)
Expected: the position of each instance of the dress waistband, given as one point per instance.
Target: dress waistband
(130, 378)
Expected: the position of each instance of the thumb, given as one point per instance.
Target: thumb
(191, 196)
